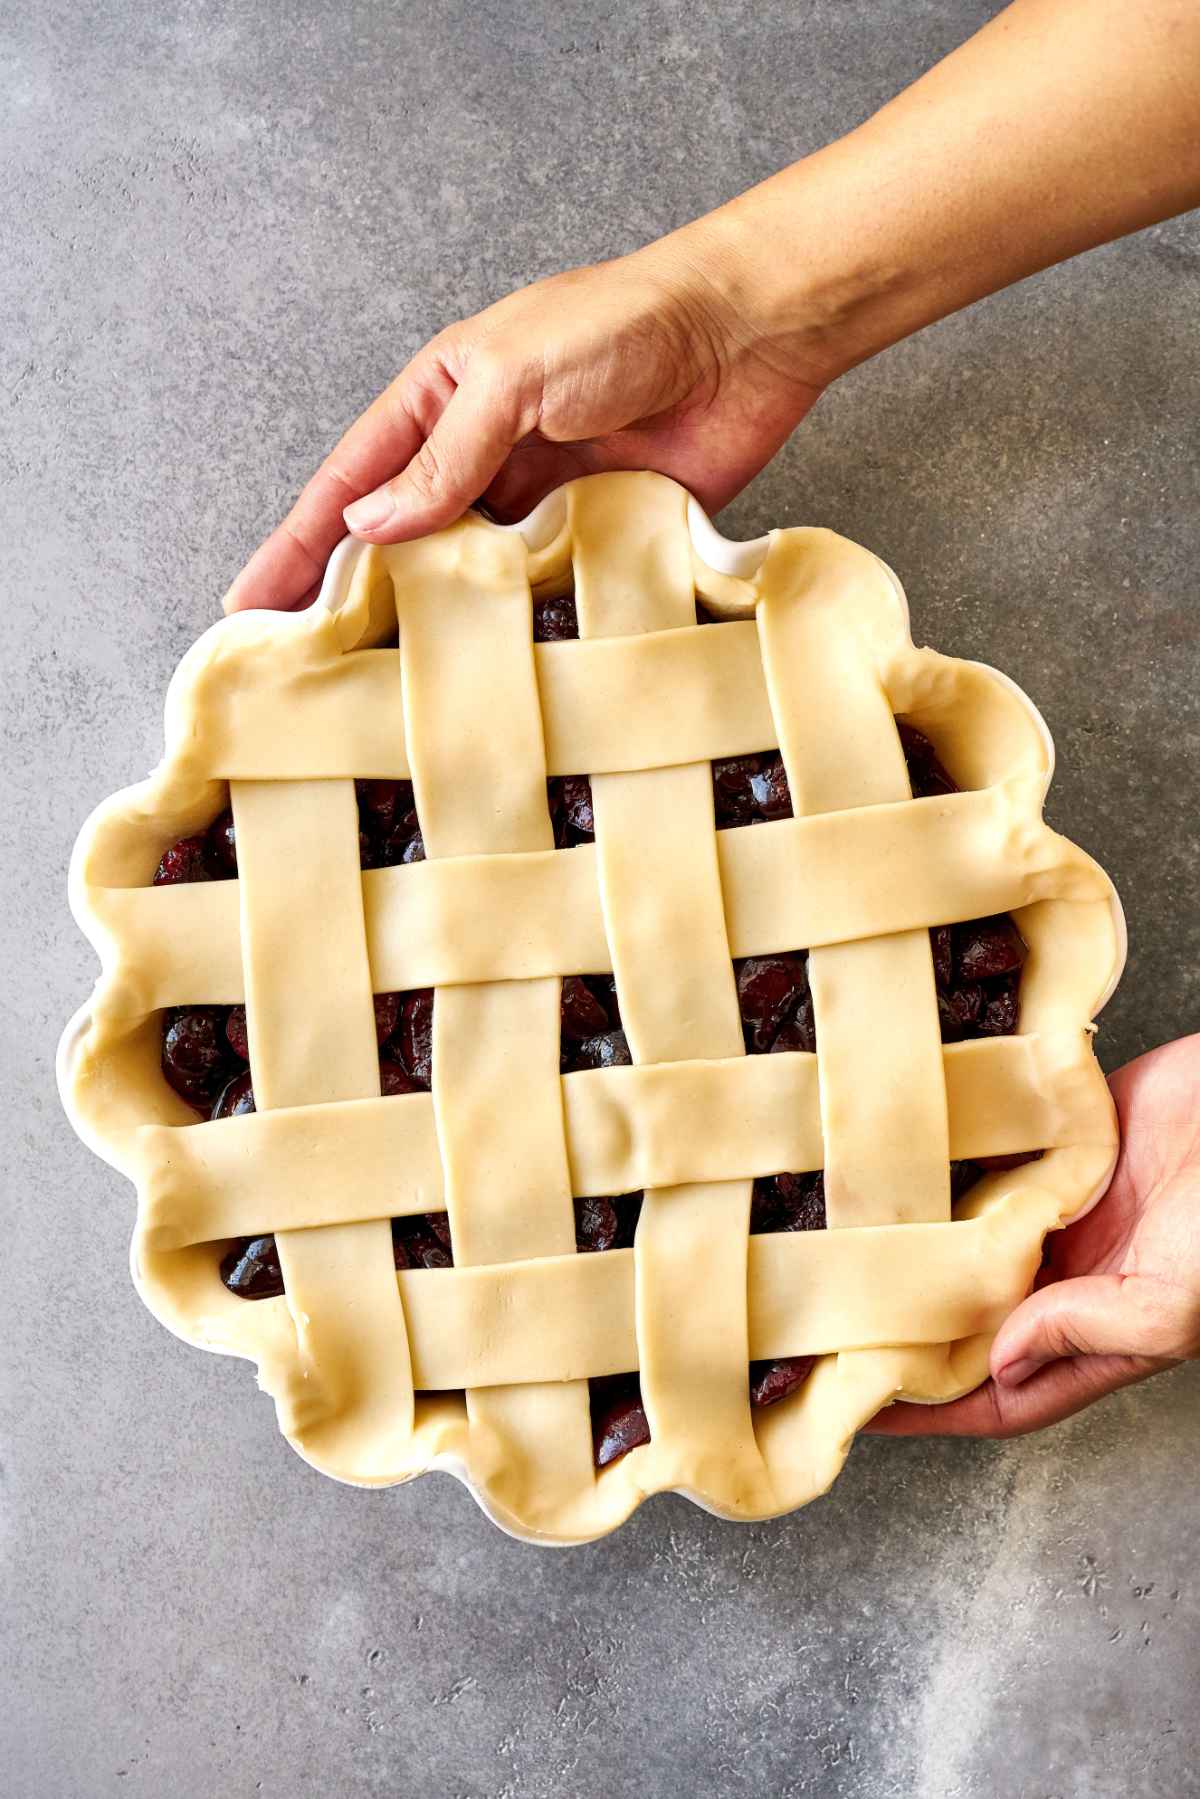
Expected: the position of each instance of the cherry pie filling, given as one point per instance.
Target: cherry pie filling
(977, 968)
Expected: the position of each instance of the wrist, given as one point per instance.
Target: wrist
(794, 276)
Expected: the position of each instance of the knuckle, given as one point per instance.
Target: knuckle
(999, 1423)
(1064, 1338)
(337, 477)
(503, 378)
(490, 366)
(425, 474)
(1164, 1319)
(293, 528)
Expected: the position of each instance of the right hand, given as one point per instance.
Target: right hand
(654, 361)
(1119, 1297)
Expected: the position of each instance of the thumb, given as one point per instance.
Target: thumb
(459, 459)
(1096, 1314)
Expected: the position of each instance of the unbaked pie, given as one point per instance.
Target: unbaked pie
(593, 1008)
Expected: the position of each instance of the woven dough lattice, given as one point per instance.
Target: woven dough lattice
(896, 1297)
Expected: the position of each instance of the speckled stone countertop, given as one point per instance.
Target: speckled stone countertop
(222, 228)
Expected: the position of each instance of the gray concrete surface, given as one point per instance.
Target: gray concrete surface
(222, 228)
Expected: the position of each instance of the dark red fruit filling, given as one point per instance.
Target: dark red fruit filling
(187, 860)
(554, 621)
(926, 776)
(387, 1015)
(196, 1057)
(618, 1417)
(607, 1223)
(751, 790)
(251, 1269)
(570, 800)
(235, 1033)
(388, 832)
(788, 1202)
(422, 1241)
(236, 1097)
(395, 1079)
(413, 1040)
(977, 967)
(209, 856)
(591, 1033)
(772, 1381)
(569, 796)
(222, 842)
(775, 1003)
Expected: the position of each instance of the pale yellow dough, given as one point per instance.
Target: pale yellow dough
(896, 1298)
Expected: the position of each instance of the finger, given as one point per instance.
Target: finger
(456, 463)
(282, 574)
(1056, 1393)
(377, 445)
(1093, 1315)
(535, 468)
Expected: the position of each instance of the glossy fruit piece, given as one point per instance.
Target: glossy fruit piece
(750, 790)
(195, 1053)
(581, 1013)
(569, 798)
(987, 947)
(733, 800)
(772, 1381)
(788, 1202)
(387, 1015)
(415, 1036)
(251, 1269)
(555, 620)
(235, 1033)
(185, 862)
(222, 846)
(926, 776)
(769, 990)
(607, 1050)
(422, 1241)
(395, 1080)
(236, 1097)
(619, 1421)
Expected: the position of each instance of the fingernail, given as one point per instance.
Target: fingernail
(372, 511)
(1017, 1372)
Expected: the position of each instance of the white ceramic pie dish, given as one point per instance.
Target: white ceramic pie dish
(539, 530)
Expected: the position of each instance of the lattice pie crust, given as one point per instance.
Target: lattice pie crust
(896, 1297)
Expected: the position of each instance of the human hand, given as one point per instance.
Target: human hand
(654, 361)
(1119, 1296)
(1058, 126)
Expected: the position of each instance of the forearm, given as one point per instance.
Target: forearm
(1062, 124)
(1059, 126)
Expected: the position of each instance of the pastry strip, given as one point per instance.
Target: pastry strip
(311, 1031)
(660, 889)
(796, 883)
(810, 1293)
(478, 767)
(883, 1099)
(659, 1125)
